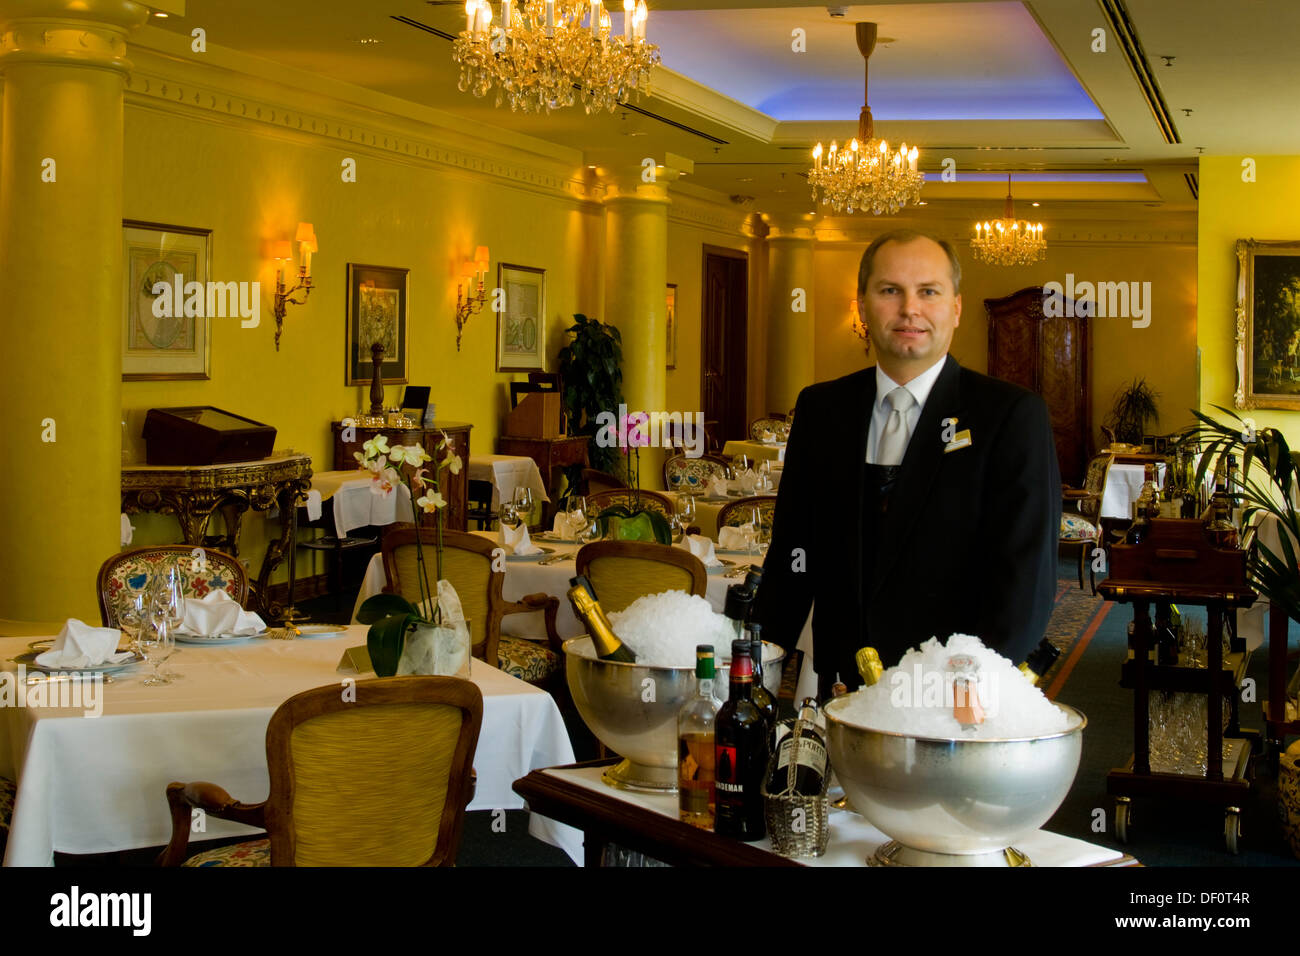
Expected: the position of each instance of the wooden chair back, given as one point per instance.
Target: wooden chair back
(1094, 483)
(381, 780)
(215, 570)
(649, 500)
(622, 571)
(466, 563)
(775, 424)
(692, 474)
(736, 513)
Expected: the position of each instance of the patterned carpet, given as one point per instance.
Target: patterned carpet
(1074, 621)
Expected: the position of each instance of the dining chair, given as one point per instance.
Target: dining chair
(479, 503)
(1082, 528)
(594, 482)
(382, 780)
(736, 513)
(467, 562)
(212, 571)
(777, 425)
(691, 475)
(631, 498)
(622, 571)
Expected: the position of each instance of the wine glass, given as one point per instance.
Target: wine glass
(761, 536)
(739, 465)
(764, 476)
(132, 607)
(524, 503)
(509, 519)
(577, 514)
(684, 512)
(166, 610)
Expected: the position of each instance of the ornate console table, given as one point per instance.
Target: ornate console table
(193, 492)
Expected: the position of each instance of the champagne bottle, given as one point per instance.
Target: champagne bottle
(802, 748)
(740, 745)
(759, 694)
(696, 723)
(869, 665)
(608, 646)
(1040, 661)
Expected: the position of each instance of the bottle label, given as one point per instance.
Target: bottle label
(811, 754)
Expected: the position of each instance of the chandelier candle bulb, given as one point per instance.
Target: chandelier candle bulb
(550, 18)
(642, 15)
(629, 11)
(595, 18)
(507, 8)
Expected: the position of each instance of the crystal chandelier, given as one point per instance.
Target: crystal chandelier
(540, 57)
(1009, 241)
(865, 174)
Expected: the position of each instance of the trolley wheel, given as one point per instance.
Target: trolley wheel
(1123, 817)
(1232, 829)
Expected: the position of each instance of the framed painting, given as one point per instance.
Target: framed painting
(1268, 324)
(671, 324)
(159, 265)
(377, 310)
(521, 325)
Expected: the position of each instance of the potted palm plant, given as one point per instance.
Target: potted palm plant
(1134, 406)
(591, 368)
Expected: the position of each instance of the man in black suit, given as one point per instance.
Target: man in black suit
(919, 499)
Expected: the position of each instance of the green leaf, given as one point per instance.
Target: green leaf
(380, 606)
(385, 641)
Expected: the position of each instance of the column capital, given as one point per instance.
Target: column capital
(85, 33)
(793, 225)
(645, 178)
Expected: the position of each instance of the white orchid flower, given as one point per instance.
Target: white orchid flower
(453, 462)
(385, 481)
(376, 446)
(431, 503)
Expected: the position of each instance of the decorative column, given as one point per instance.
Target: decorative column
(790, 314)
(636, 280)
(64, 66)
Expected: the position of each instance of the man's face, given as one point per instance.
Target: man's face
(909, 307)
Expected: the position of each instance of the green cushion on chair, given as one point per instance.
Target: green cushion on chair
(1077, 528)
(252, 853)
(527, 660)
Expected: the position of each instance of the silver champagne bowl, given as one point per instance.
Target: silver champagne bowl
(632, 709)
(953, 802)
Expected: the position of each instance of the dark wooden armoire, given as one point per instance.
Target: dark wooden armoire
(1047, 355)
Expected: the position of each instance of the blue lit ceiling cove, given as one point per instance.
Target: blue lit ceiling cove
(951, 61)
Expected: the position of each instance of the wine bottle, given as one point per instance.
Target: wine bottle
(759, 694)
(608, 646)
(803, 748)
(738, 606)
(869, 665)
(696, 723)
(1222, 532)
(1040, 660)
(740, 744)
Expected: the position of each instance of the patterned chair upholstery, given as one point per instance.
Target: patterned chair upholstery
(408, 744)
(8, 789)
(467, 564)
(691, 475)
(622, 571)
(218, 571)
(736, 513)
(647, 500)
(778, 426)
(1082, 528)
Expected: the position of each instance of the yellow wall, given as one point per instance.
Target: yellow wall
(1229, 210)
(1164, 353)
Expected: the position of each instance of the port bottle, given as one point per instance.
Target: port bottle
(803, 748)
(740, 746)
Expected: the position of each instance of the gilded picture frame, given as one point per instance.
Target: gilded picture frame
(521, 324)
(377, 309)
(170, 346)
(1268, 324)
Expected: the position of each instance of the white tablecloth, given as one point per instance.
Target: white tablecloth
(756, 451)
(853, 840)
(96, 785)
(506, 473)
(1123, 484)
(356, 506)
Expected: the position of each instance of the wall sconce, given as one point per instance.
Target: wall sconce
(856, 323)
(283, 251)
(469, 300)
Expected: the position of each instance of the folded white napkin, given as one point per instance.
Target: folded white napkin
(515, 540)
(701, 547)
(748, 480)
(767, 435)
(739, 538)
(217, 613)
(80, 645)
(128, 530)
(717, 487)
(568, 527)
(313, 505)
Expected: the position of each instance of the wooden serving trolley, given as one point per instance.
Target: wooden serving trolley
(1177, 564)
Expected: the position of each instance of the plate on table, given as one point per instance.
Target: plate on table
(541, 553)
(320, 630)
(198, 640)
(552, 536)
(740, 552)
(29, 660)
(722, 568)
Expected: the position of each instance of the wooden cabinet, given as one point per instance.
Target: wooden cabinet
(455, 488)
(1047, 355)
(552, 456)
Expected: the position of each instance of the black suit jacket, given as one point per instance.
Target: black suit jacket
(968, 543)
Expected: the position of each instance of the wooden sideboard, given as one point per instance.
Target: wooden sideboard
(552, 456)
(455, 488)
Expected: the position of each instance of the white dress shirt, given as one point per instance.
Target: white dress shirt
(919, 387)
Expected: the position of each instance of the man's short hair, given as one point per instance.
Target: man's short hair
(901, 236)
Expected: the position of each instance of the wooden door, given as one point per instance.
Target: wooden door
(724, 347)
(1047, 355)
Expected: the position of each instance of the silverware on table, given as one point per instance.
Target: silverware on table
(555, 558)
(52, 678)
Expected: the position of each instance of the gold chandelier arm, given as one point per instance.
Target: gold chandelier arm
(1010, 211)
(866, 36)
